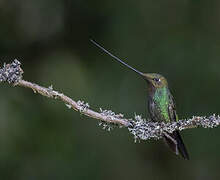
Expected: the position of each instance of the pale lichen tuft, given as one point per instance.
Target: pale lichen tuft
(82, 106)
(11, 73)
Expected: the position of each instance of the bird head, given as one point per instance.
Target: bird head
(155, 80)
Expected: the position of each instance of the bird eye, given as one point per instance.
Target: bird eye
(156, 79)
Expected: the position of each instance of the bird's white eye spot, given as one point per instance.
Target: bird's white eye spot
(156, 79)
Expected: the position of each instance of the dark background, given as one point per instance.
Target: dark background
(42, 139)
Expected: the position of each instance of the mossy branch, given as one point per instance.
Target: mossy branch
(141, 128)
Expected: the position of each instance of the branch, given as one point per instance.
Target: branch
(139, 127)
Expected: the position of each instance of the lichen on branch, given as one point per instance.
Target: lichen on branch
(11, 73)
(139, 127)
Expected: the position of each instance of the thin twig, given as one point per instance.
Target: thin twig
(139, 127)
(78, 106)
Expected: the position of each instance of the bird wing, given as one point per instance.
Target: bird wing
(172, 109)
(174, 139)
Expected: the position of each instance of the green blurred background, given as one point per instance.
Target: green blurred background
(42, 139)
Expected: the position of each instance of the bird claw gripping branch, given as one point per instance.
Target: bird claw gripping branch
(12, 73)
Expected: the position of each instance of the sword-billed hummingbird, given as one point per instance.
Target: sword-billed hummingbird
(161, 105)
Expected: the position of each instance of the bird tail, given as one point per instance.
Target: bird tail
(176, 144)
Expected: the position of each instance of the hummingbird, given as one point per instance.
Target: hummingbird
(161, 104)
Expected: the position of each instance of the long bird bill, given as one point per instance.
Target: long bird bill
(116, 58)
